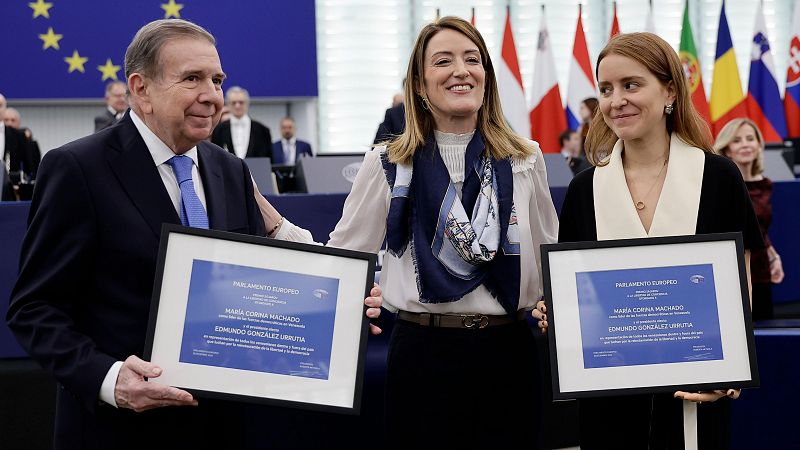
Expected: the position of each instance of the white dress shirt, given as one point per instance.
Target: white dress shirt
(160, 154)
(240, 135)
(289, 150)
(6, 158)
(363, 227)
(117, 115)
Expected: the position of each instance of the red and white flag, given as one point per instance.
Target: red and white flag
(581, 79)
(547, 116)
(614, 23)
(791, 98)
(509, 84)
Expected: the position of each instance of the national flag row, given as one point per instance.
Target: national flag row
(546, 117)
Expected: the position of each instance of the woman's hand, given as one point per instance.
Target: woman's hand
(708, 396)
(540, 314)
(776, 270)
(373, 303)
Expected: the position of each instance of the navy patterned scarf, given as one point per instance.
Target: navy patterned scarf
(456, 245)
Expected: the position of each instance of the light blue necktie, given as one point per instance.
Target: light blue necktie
(192, 212)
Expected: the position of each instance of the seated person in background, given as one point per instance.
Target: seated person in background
(289, 148)
(241, 135)
(571, 150)
(13, 119)
(116, 103)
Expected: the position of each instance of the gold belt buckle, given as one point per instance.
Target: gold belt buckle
(475, 321)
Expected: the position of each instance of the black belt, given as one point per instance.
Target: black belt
(467, 321)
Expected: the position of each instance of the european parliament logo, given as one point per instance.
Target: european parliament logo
(321, 294)
(697, 279)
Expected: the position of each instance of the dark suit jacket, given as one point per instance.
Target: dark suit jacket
(87, 268)
(301, 148)
(260, 139)
(104, 120)
(17, 145)
(394, 123)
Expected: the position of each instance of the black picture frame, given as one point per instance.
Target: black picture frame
(174, 255)
(571, 379)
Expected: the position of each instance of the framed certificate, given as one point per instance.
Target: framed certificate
(254, 319)
(648, 315)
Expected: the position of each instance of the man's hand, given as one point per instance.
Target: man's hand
(132, 391)
(374, 307)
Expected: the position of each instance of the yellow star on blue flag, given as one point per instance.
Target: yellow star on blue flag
(40, 8)
(109, 70)
(172, 9)
(76, 62)
(50, 39)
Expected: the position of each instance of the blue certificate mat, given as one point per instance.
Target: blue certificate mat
(648, 316)
(259, 319)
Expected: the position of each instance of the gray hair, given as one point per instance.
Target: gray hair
(14, 111)
(236, 90)
(143, 53)
(109, 86)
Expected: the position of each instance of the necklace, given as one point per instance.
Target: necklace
(640, 204)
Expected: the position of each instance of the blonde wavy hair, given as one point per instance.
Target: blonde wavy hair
(728, 134)
(661, 60)
(500, 139)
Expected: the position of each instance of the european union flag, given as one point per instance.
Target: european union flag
(60, 49)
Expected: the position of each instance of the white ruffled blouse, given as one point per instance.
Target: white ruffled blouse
(363, 227)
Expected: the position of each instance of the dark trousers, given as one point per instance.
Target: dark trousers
(213, 425)
(650, 422)
(458, 388)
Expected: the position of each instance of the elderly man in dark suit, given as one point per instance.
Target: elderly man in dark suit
(116, 104)
(15, 155)
(241, 135)
(81, 302)
(13, 119)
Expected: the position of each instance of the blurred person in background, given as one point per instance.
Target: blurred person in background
(241, 135)
(742, 142)
(116, 104)
(14, 119)
(289, 149)
(572, 151)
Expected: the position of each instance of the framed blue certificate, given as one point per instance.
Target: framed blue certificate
(254, 319)
(648, 315)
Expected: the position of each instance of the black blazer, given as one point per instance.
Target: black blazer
(87, 266)
(104, 120)
(17, 145)
(394, 123)
(725, 205)
(260, 139)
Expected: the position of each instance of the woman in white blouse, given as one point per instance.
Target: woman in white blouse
(464, 205)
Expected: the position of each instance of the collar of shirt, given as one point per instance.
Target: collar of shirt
(112, 111)
(244, 120)
(291, 141)
(157, 148)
